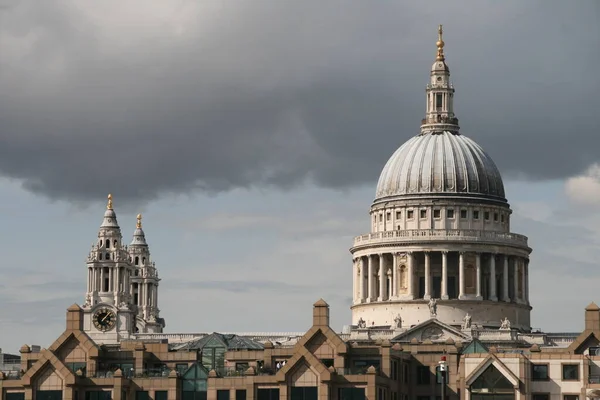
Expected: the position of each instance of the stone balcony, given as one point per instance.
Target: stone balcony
(440, 235)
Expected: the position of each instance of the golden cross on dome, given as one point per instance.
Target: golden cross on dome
(139, 221)
(109, 205)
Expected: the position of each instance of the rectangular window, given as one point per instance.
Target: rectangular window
(267, 394)
(240, 394)
(303, 393)
(501, 217)
(570, 397)
(141, 395)
(463, 213)
(388, 216)
(398, 214)
(438, 100)
(539, 372)
(475, 214)
(540, 396)
(410, 214)
(350, 393)
(570, 372)
(486, 215)
(436, 213)
(161, 395)
(14, 396)
(222, 395)
(423, 375)
(423, 213)
(102, 395)
(496, 217)
(450, 213)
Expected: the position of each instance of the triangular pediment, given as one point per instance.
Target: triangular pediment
(433, 330)
(493, 362)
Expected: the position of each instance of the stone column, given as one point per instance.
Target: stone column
(354, 280)
(461, 275)
(101, 279)
(478, 275)
(493, 296)
(370, 278)
(523, 280)
(444, 292)
(526, 283)
(382, 278)
(427, 295)
(363, 283)
(516, 280)
(394, 275)
(505, 280)
(411, 272)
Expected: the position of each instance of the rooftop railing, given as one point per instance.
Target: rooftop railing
(136, 373)
(426, 235)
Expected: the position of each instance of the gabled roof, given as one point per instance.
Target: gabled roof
(433, 322)
(229, 341)
(47, 360)
(582, 339)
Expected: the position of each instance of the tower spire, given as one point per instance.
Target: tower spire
(439, 115)
(440, 44)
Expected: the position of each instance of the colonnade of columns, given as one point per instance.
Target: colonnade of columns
(118, 279)
(441, 274)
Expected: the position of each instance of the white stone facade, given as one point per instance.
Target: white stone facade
(440, 229)
(122, 285)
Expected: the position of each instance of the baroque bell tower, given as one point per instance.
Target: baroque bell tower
(144, 286)
(109, 312)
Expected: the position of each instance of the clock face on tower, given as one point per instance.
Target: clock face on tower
(104, 319)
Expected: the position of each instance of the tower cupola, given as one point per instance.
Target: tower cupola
(439, 115)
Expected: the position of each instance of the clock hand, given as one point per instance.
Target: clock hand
(106, 316)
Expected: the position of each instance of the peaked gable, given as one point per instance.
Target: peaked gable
(48, 360)
(433, 330)
(582, 341)
(81, 338)
(303, 358)
(492, 360)
(331, 337)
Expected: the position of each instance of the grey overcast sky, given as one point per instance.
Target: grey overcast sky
(252, 134)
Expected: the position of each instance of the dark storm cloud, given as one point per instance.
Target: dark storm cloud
(143, 99)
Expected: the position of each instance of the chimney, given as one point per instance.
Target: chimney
(321, 313)
(74, 318)
(592, 317)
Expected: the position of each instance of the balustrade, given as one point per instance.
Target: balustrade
(416, 235)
